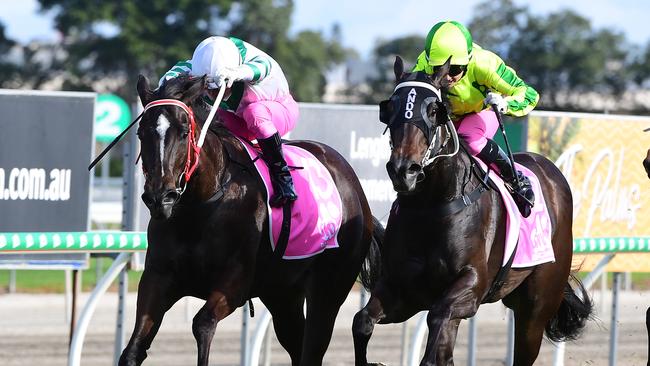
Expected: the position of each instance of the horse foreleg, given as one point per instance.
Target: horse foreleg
(385, 306)
(155, 297)
(205, 323)
(362, 328)
(459, 302)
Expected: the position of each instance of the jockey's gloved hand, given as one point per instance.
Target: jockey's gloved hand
(232, 74)
(494, 99)
(214, 83)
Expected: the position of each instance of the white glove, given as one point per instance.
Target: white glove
(494, 99)
(232, 74)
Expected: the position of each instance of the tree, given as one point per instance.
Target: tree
(120, 39)
(640, 66)
(262, 23)
(560, 54)
(496, 25)
(381, 85)
(9, 71)
(114, 41)
(304, 61)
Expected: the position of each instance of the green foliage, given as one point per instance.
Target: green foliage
(559, 54)
(262, 22)
(640, 67)
(497, 25)
(304, 60)
(108, 43)
(381, 85)
(118, 40)
(8, 70)
(48, 281)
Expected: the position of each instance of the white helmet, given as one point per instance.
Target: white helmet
(212, 56)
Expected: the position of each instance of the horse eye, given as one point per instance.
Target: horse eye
(185, 134)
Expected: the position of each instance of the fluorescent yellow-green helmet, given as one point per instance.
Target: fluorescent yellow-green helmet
(446, 39)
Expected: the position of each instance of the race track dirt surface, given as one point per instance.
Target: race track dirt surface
(34, 332)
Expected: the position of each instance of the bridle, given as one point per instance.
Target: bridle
(425, 93)
(193, 145)
(431, 130)
(193, 149)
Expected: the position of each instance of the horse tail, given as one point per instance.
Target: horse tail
(576, 308)
(371, 267)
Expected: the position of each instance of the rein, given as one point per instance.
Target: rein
(464, 200)
(193, 150)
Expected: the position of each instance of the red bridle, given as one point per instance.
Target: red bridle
(193, 150)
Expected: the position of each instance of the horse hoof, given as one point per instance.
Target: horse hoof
(377, 364)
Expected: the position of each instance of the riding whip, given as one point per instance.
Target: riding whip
(213, 110)
(505, 139)
(115, 141)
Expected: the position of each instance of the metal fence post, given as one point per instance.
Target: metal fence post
(244, 359)
(613, 335)
(471, 342)
(510, 352)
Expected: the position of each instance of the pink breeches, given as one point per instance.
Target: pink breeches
(476, 128)
(261, 119)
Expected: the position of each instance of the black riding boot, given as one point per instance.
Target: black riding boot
(280, 173)
(519, 185)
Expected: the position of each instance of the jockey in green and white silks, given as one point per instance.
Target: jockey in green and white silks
(257, 103)
(478, 79)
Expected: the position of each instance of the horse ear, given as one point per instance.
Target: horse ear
(145, 93)
(398, 68)
(441, 74)
(195, 89)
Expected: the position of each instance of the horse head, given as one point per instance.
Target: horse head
(168, 133)
(420, 129)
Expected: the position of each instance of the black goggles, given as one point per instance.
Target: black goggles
(454, 70)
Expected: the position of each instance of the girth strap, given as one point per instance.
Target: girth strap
(283, 238)
(448, 208)
(499, 279)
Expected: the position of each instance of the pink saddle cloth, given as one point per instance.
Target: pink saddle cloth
(533, 232)
(317, 213)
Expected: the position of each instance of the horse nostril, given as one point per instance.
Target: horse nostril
(390, 167)
(147, 198)
(415, 168)
(170, 197)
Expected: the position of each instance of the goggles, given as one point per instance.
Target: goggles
(454, 70)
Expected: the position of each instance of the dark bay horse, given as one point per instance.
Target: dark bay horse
(209, 235)
(444, 241)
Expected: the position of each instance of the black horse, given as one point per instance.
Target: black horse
(444, 241)
(208, 236)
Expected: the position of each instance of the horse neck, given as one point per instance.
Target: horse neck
(211, 169)
(445, 180)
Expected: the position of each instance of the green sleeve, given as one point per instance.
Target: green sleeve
(501, 78)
